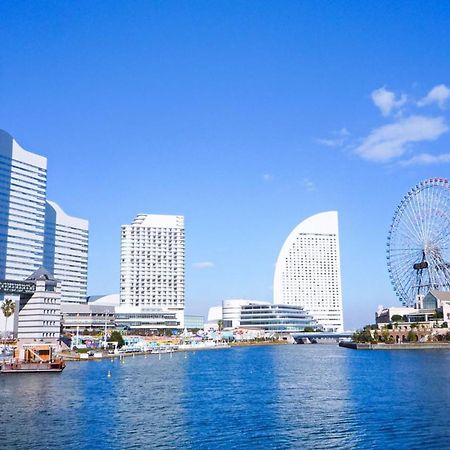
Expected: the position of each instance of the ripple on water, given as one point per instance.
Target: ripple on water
(288, 397)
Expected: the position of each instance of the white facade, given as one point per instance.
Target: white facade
(23, 182)
(147, 318)
(83, 316)
(66, 252)
(231, 311)
(308, 272)
(277, 318)
(40, 313)
(107, 300)
(152, 264)
(214, 313)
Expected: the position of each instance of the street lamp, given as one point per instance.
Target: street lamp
(106, 329)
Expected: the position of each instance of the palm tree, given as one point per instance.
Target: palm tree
(8, 308)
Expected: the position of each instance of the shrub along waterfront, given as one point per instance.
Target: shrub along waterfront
(394, 333)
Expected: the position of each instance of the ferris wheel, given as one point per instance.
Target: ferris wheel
(418, 245)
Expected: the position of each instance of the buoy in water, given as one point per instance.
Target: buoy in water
(109, 374)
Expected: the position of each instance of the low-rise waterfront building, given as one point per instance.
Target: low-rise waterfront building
(87, 317)
(385, 314)
(39, 316)
(214, 318)
(108, 299)
(432, 307)
(192, 322)
(232, 309)
(262, 315)
(427, 321)
(146, 319)
(277, 318)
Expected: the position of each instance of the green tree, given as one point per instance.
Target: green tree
(362, 336)
(396, 318)
(444, 325)
(8, 308)
(116, 336)
(385, 335)
(308, 329)
(412, 337)
(220, 324)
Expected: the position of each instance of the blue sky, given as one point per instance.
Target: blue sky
(244, 116)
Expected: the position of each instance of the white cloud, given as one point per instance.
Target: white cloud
(338, 140)
(268, 177)
(387, 101)
(309, 185)
(391, 141)
(440, 94)
(426, 159)
(203, 265)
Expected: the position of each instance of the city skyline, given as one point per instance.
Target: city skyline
(244, 121)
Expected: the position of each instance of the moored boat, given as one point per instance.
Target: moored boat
(35, 359)
(57, 365)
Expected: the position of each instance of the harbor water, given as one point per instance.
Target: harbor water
(286, 397)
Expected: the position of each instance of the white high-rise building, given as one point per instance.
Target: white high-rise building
(66, 252)
(152, 265)
(308, 272)
(23, 182)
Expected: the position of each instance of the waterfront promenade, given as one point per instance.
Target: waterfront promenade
(400, 346)
(282, 396)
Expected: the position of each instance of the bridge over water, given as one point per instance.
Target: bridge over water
(316, 336)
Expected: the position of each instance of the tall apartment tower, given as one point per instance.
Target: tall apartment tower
(152, 264)
(66, 252)
(308, 272)
(23, 182)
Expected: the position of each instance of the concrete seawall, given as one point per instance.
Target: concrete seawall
(405, 346)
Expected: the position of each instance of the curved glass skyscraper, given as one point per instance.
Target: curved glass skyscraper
(23, 183)
(66, 252)
(34, 232)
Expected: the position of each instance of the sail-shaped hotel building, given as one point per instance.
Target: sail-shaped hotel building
(308, 272)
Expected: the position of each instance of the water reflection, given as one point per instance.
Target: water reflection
(401, 397)
(312, 385)
(315, 396)
(230, 398)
